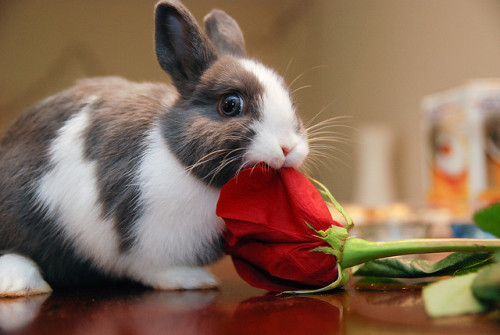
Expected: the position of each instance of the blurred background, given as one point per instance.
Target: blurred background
(369, 63)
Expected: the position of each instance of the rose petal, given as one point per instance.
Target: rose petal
(283, 200)
(289, 262)
(266, 212)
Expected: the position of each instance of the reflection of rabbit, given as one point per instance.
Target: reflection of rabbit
(18, 313)
(118, 180)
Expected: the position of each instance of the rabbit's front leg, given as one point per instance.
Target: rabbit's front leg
(20, 276)
(181, 278)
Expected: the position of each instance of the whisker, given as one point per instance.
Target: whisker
(322, 148)
(242, 166)
(296, 78)
(253, 167)
(326, 141)
(304, 169)
(325, 131)
(225, 161)
(330, 139)
(317, 160)
(316, 116)
(288, 66)
(300, 88)
(328, 152)
(332, 129)
(230, 153)
(216, 171)
(303, 73)
(327, 158)
(331, 122)
(205, 159)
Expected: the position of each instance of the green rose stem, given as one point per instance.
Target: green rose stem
(357, 251)
(351, 251)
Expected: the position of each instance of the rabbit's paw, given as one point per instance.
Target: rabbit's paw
(20, 276)
(183, 278)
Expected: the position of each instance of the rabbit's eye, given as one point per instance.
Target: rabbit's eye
(231, 105)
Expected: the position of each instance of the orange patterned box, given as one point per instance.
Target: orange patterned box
(462, 146)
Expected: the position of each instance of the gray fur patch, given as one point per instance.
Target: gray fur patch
(115, 140)
(210, 145)
(225, 33)
(25, 227)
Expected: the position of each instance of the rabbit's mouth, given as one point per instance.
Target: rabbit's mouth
(265, 165)
(276, 165)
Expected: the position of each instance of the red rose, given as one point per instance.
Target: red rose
(266, 213)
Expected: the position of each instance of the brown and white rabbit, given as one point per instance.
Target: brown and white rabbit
(113, 180)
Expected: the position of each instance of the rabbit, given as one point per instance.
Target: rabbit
(113, 180)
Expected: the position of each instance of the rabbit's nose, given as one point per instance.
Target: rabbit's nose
(285, 150)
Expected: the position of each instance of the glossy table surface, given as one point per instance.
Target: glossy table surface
(235, 308)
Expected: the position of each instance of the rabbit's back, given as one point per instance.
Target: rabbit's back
(69, 164)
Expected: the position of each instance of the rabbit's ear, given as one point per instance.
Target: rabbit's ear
(225, 33)
(183, 51)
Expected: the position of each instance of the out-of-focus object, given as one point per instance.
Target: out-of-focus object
(391, 222)
(462, 149)
(376, 214)
(469, 230)
(374, 179)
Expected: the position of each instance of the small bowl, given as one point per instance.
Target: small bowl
(469, 230)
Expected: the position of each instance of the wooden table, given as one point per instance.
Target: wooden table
(235, 308)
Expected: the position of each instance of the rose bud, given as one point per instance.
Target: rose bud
(281, 235)
(273, 219)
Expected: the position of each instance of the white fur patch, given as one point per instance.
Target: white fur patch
(184, 277)
(278, 131)
(69, 191)
(20, 276)
(179, 220)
